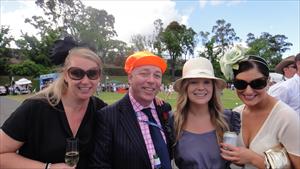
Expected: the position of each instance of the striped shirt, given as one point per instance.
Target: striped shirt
(137, 107)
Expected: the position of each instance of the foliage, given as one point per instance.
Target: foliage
(5, 40)
(86, 24)
(5, 52)
(177, 40)
(222, 38)
(224, 35)
(268, 46)
(28, 68)
(37, 50)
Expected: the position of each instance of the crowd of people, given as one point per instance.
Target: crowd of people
(141, 132)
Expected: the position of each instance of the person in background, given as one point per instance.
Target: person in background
(289, 90)
(199, 119)
(34, 136)
(134, 131)
(265, 121)
(287, 68)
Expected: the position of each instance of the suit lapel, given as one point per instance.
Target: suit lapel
(130, 123)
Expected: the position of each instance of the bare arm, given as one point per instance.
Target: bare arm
(9, 159)
(295, 160)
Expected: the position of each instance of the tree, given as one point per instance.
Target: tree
(5, 53)
(268, 46)
(177, 41)
(221, 38)
(86, 24)
(37, 50)
(139, 41)
(224, 35)
(157, 43)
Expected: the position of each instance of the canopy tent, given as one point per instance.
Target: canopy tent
(23, 81)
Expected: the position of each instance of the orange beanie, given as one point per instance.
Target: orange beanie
(144, 58)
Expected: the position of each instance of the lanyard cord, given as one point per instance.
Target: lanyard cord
(152, 124)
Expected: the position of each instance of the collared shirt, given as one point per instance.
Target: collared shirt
(137, 107)
(288, 92)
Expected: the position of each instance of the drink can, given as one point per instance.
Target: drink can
(230, 138)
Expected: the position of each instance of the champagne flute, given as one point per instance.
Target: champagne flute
(72, 152)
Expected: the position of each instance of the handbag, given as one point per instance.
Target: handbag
(277, 158)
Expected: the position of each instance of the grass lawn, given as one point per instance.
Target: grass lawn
(229, 98)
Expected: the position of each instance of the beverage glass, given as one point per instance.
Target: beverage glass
(72, 152)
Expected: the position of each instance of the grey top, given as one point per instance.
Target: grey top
(198, 151)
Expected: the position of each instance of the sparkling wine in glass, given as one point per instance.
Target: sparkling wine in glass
(72, 152)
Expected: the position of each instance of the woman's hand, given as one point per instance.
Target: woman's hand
(241, 155)
(159, 101)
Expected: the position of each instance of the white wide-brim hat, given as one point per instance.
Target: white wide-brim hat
(198, 68)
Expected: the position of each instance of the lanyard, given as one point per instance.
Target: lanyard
(152, 124)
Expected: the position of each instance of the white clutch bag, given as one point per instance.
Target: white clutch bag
(277, 158)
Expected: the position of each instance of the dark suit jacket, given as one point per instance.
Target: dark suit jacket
(119, 143)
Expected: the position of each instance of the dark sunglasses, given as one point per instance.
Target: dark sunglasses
(76, 73)
(254, 84)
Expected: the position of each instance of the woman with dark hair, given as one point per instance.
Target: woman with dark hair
(265, 121)
(35, 135)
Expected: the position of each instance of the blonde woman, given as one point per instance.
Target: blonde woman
(38, 129)
(199, 119)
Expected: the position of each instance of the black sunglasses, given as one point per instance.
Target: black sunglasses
(76, 73)
(254, 84)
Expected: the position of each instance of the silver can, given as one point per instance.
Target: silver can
(230, 138)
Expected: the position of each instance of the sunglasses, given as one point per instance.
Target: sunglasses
(254, 84)
(76, 73)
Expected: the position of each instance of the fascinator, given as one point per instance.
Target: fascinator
(60, 50)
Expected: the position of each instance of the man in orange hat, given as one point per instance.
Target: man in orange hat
(135, 133)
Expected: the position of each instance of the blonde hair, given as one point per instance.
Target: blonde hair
(53, 93)
(215, 110)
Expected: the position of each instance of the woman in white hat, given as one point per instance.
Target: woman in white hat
(199, 120)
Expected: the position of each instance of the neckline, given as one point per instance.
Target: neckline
(199, 134)
(260, 129)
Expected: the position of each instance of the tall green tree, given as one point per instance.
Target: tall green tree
(86, 24)
(37, 50)
(178, 40)
(224, 35)
(157, 41)
(216, 42)
(268, 46)
(5, 51)
(139, 42)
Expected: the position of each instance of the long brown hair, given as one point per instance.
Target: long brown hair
(215, 110)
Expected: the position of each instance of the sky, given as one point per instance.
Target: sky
(137, 16)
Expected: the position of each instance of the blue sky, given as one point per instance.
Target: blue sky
(132, 17)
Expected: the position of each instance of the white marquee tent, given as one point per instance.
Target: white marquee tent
(23, 81)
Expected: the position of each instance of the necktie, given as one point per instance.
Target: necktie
(158, 141)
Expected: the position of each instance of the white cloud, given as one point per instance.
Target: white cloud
(16, 15)
(131, 17)
(137, 17)
(203, 3)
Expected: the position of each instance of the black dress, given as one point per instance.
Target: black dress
(44, 130)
